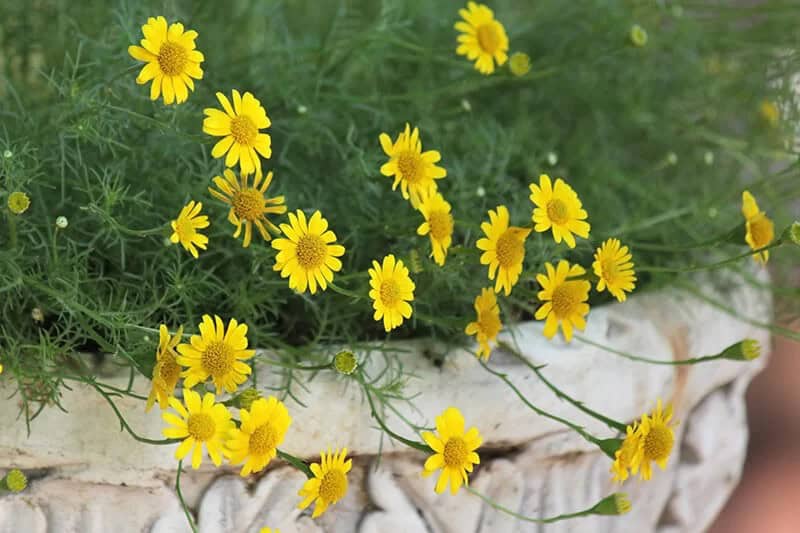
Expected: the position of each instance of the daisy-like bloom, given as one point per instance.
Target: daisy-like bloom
(171, 58)
(239, 126)
(503, 249)
(329, 484)
(564, 299)
(256, 441)
(308, 255)
(184, 228)
(414, 170)
(454, 451)
(248, 204)
(759, 230)
(269, 530)
(519, 64)
(438, 224)
(167, 370)
(769, 113)
(199, 423)
(391, 289)
(623, 457)
(483, 39)
(558, 208)
(217, 354)
(488, 324)
(657, 437)
(18, 202)
(612, 264)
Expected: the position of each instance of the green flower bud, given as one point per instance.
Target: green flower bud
(246, 398)
(793, 232)
(519, 63)
(638, 36)
(745, 350)
(18, 202)
(345, 362)
(615, 504)
(15, 481)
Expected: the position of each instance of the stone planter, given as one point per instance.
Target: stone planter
(88, 477)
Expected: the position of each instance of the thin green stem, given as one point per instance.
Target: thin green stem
(180, 497)
(124, 422)
(12, 229)
(632, 357)
(719, 239)
(410, 443)
(711, 266)
(296, 462)
(343, 291)
(494, 505)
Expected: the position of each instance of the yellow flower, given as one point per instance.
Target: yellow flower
(308, 255)
(488, 324)
(564, 299)
(200, 423)
(269, 530)
(438, 224)
(184, 228)
(256, 441)
(759, 228)
(167, 371)
(503, 249)
(391, 289)
(612, 264)
(329, 484)
(770, 113)
(519, 64)
(624, 455)
(414, 170)
(454, 451)
(1, 369)
(248, 204)
(239, 126)
(558, 208)
(657, 437)
(18, 202)
(217, 354)
(171, 58)
(483, 39)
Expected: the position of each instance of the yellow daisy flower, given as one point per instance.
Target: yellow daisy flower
(657, 438)
(18, 202)
(248, 204)
(488, 324)
(269, 530)
(256, 441)
(200, 423)
(329, 484)
(414, 170)
(171, 58)
(167, 371)
(184, 228)
(438, 224)
(612, 264)
(769, 113)
(623, 457)
(483, 39)
(454, 451)
(760, 230)
(558, 208)
(391, 289)
(308, 255)
(564, 299)
(503, 249)
(217, 354)
(239, 126)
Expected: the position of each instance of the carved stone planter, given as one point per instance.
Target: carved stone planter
(88, 477)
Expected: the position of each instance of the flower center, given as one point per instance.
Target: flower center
(566, 298)
(410, 165)
(488, 38)
(557, 211)
(185, 229)
(248, 204)
(762, 231)
(170, 370)
(172, 58)
(244, 130)
(333, 486)
(510, 250)
(263, 440)
(311, 252)
(390, 293)
(201, 426)
(490, 324)
(609, 269)
(218, 359)
(441, 223)
(455, 452)
(658, 443)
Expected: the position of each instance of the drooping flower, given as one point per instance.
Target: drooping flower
(488, 324)
(200, 423)
(414, 170)
(438, 225)
(391, 289)
(759, 229)
(171, 58)
(519, 64)
(657, 438)
(558, 209)
(239, 126)
(166, 371)
(483, 39)
(18, 202)
(454, 451)
(308, 255)
(612, 264)
(329, 484)
(216, 354)
(249, 205)
(184, 228)
(256, 441)
(564, 299)
(503, 249)
(623, 457)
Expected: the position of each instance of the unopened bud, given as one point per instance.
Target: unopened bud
(15, 481)
(345, 362)
(638, 36)
(615, 504)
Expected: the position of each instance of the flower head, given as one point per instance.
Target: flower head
(166, 371)
(269, 530)
(759, 229)
(62, 222)
(638, 36)
(488, 324)
(454, 451)
(239, 126)
(184, 228)
(308, 255)
(262, 430)
(249, 205)
(612, 505)
(414, 170)
(612, 264)
(519, 64)
(623, 457)
(18, 202)
(769, 112)
(15, 480)
(656, 440)
(559, 209)
(217, 354)
(503, 249)
(483, 39)
(564, 299)
(329, 484)
(171, 58)
(345, 362)
(199, 423)
(438, 225)
(391, 289)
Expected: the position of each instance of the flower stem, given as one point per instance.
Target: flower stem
(632, 357)
(505, 510)
(343, 291)
(296, 462)
(410, 443)
(180, 497)
(710, 266)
